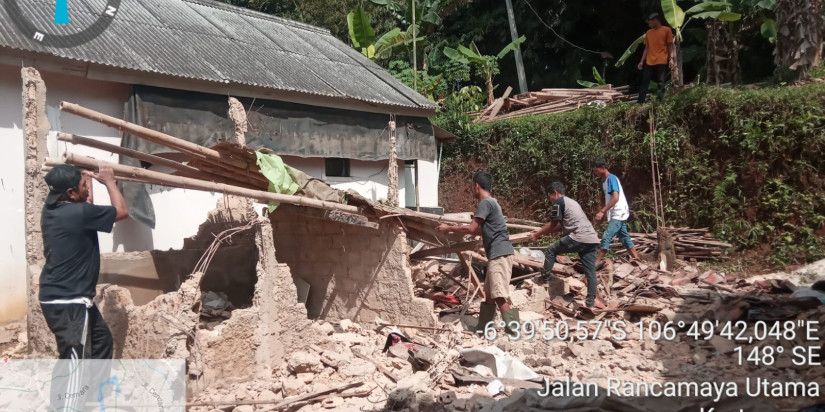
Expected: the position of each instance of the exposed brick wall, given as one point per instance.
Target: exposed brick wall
(354, 272)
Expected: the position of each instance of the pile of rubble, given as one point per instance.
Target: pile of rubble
(402, 367)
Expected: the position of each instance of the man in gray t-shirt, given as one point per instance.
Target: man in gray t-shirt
(490, 224)
(578, 236)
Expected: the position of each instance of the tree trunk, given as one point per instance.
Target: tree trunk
(676, 76)
(800, 30)
(722, 54)
(490, 97)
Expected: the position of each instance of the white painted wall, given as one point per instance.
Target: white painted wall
(178, 212)
(12, 212)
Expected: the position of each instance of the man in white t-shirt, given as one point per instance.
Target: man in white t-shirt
(616, 208)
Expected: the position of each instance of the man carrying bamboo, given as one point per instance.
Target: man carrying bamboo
(67, 283)
(489, 222)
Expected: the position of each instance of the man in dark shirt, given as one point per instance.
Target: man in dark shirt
(67, 284)
(489, 222)
(578, 236)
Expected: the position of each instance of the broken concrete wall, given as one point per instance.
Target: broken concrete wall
(35, 128)
(246, 346)
(354, 272)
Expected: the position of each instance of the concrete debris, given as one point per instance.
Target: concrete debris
(259, 351)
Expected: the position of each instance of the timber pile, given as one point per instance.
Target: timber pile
(550, 101)
(688, 243)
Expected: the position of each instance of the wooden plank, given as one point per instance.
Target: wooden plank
(499, 102)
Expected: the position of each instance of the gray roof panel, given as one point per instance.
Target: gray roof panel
(204, 40)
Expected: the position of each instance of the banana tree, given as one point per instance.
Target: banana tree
(363, 36)
(488, 65)
(675, 16)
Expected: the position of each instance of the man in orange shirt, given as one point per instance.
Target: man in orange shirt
(658, 57)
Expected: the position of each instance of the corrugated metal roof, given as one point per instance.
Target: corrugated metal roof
(206, 40)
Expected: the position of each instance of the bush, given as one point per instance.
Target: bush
(748, 164)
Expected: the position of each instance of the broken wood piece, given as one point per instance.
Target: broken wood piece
(725, 288)
(399, 325)
(499, 102)
(290, 401)
(473, 276)
(445, 250)
(531, 275)
(451, 277)
(380, 367)
(569, 312)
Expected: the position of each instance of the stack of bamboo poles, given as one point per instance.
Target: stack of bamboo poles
(688, 243)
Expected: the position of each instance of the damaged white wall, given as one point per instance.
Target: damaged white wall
(178, 212)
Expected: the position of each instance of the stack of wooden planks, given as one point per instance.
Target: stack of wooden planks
(688, 243)
(550, 101)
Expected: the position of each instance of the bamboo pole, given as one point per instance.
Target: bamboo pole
(51, 163)
(185, 170)
(154, 136)
(196, 184)
(122, 151)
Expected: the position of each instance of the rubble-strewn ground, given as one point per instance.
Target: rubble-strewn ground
(352, 353)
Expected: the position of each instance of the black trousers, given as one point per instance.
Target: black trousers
(83, 360)
(657, 72)
(67, 321)
(587, 253)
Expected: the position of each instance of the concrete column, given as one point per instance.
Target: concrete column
(35, 128)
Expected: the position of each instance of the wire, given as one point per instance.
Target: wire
(558, 35)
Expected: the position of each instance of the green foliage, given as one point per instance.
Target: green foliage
(746, 163)
(432, 86)
(630, 50)
(456, 106)
(674, 14)
(361, 31)
(598, 77)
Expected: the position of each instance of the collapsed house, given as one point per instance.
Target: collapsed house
(311, 98)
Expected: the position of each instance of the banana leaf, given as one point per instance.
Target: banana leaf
(630, 50)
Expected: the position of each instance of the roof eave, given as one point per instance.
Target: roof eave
(95, 71)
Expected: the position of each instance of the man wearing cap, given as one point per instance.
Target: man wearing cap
(659, 56)
(67, 283)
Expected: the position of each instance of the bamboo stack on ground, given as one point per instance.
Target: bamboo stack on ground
(688, 243)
